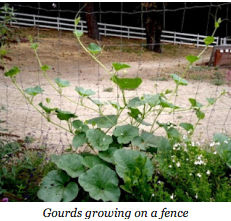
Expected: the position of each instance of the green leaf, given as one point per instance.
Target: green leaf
(173, 133)
(135, 114)
(80, 126)
(209, 40)
(115, 105)
(119, 66)
(65, 115)
(84, 92)
(211, 101)
(79, 139)
(46, 109)
(53, 188)
(194, 103)
(223, 147)
(192, 59)
(77, 21)
(45, 67)
(78, 33)
(178, 80)
(91, 161)
(34, 46)
(125, 133)
(135, 102)
(94, 48)
(165, 104)
(127, 83)
(12, 72)
(62, 83)
(34, 91)
(98, 103)
(101, 182)
(217, 25)
(125, 161)
(98, 139)
(200, 114)
(104, 121)
(71, 163)
(108, 155)
(146, 140)
(152, 100)
(186, 126)
(70, 192)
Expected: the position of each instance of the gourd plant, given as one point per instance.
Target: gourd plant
(122, 158)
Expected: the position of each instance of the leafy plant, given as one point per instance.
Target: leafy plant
(124, 160)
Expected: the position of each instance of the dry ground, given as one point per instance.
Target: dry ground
(61, 51)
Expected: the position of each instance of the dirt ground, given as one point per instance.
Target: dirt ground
(62, 51)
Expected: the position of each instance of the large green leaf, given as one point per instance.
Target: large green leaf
(61, 82)
(79, 139)
(84, 92)
(186, 126)
(125, 161)
(54, 189)
(104, 121)
(127, 83)
(91, 161)
(125, 133)
(135, 102)
(71, 163)
(108, 154)
(146, 140)
(65, 115)
(34, 91)
(223, 147)
(101, 182)
(98, 139)
(119, 66)
(152, 100)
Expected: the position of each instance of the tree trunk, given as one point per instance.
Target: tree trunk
(93, 31)
(153, 34)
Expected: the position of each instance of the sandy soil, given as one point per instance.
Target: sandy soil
(70, 62)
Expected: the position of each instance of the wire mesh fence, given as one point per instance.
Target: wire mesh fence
(60, 50)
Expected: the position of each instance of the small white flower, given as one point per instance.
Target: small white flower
(215, 152)
(190, 174)
(196, 196)
(125, 71)
(212, 144)
(226, 141)
(170, 166)
(193, 144)
(172, 197)
(218, 143)
(208, 172)
(153, 195)
(199, 175)
(178, 164)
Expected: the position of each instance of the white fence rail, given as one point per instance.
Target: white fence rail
(225, 41)
(129, 32)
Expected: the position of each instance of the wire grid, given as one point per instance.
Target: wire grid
(21, 119)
